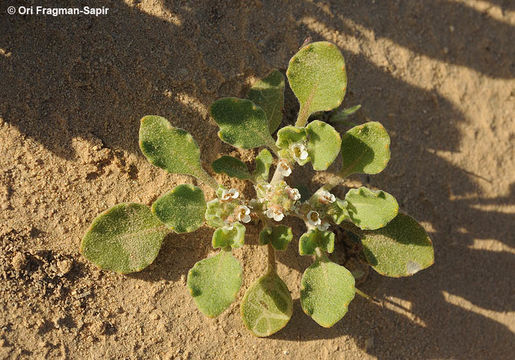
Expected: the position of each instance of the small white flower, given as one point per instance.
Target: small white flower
(313, 218)
(293, 193)
(243, 214)
(274, 213)
(323, 226)
(325, 197)
(230, 194)
(284, 168)
(299, 152)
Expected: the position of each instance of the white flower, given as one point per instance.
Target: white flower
(275, 213)
(243, 214)
(293, 193)
(325, 197)
(299, 152)
(230, 194)
(283, 168)
(323, 226)
(313, 218)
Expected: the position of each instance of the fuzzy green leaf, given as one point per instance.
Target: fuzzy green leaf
(226, 236)
(214, 213)
(181, 209)
(317, 77)
(365, 149)
(231, 166)
(314, 238)
(171, 148)
(263, 162)
(214, 283)
(126, 238)
(268, 93)
(279, 236)
(326, 291)
(267, 306)
(242, 123)
(401, 248)
(337, 211)
(323, 144)
(341, 116)
(369, 209)
(290, 135)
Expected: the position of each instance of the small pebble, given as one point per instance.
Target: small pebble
(18, 261)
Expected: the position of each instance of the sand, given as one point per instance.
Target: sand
(438, 74)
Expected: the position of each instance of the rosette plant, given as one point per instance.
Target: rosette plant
(127, 237)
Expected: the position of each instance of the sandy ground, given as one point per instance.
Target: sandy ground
(438, 74)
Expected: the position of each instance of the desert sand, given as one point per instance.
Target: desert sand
(438, 74)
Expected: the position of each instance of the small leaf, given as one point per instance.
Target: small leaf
(269, 95)
(290, 135)
(267, 306)
(170, 148)
(126, 238)
(214, 283)
(181, 209)
(401, 248)
(316, 238)
(337, 211)
(341, 116)
(216, 212)
(369, 209)
(263, 162)
(279, 236)
(365, 149)
(231, 166)
(317, 77)
(326, 291)
(242, 123)
(233, 236)
(323, 144)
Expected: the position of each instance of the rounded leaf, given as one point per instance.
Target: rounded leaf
(279, 236)
(267, 306)
(229, 236)
(401, 248)
(365, 149)
(290, 135)
(231, 166)
(214, 283)
(268, 93)
(317, 77)
(169, 148)
(242, 123)
(214, 213)
(323, 144)
(326, 291)
(369, 209)
(126, 238)
(263, 162)
(314, 238)
(181, 209)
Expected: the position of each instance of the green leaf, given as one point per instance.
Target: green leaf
(318, 79)
(214, 283)
(263, 162)
(279, 236)
(231, 166)
(126, 238)
(242, 123)
(323, 144)
(401, 248)
(314, 238)
(341, 116)
(369, 209)
(365, 149)
(269, 95)
(337, 211)
(171, 148)
(226, 236)
(213, 213)
(290, 135)
(267, 306)
(181, 209)
(326, 291)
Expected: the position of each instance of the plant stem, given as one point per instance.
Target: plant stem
(368, 297)
(302, 117)
(272, 266)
